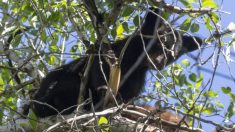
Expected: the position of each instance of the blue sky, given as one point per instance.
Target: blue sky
(228, 6)
(223, 68)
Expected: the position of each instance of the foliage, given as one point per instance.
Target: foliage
(55, 32)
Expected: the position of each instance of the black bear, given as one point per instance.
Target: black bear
(59, 90)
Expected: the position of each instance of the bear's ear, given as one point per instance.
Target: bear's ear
(152, 14)
(191, 43)
(150, 20)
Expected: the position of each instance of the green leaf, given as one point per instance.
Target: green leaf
(187, 3)
(186, 24)
(209, 109)
(103, 121)
(4, 5)
(33, 121)
(136, 20)
(125, 26)
(181, 80)
(226, 90)
(74, 48)
(52, 60)
(166, 15)
(208, 24)
(219, 104)
(1, 115)
(127, 11)
(157, 84)
(198, 83)
(120, 31)
(215, 17)
(16, 9)
(199, 80)
(23, 19)
(230, 111)
(185, 62)
(113, 32)
(212, 94)
(188, 84)
(54, 48)
(232, 96)
(191, 1)
(54, 17)
(194, 28)
(1, 85)
(54, 39)
(93, 37)
(209, 3)
(193, 77)
(189, 91)
(17, 40)
(176, 79)
(44, 36)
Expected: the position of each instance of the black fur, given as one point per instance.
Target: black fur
(60, 88)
